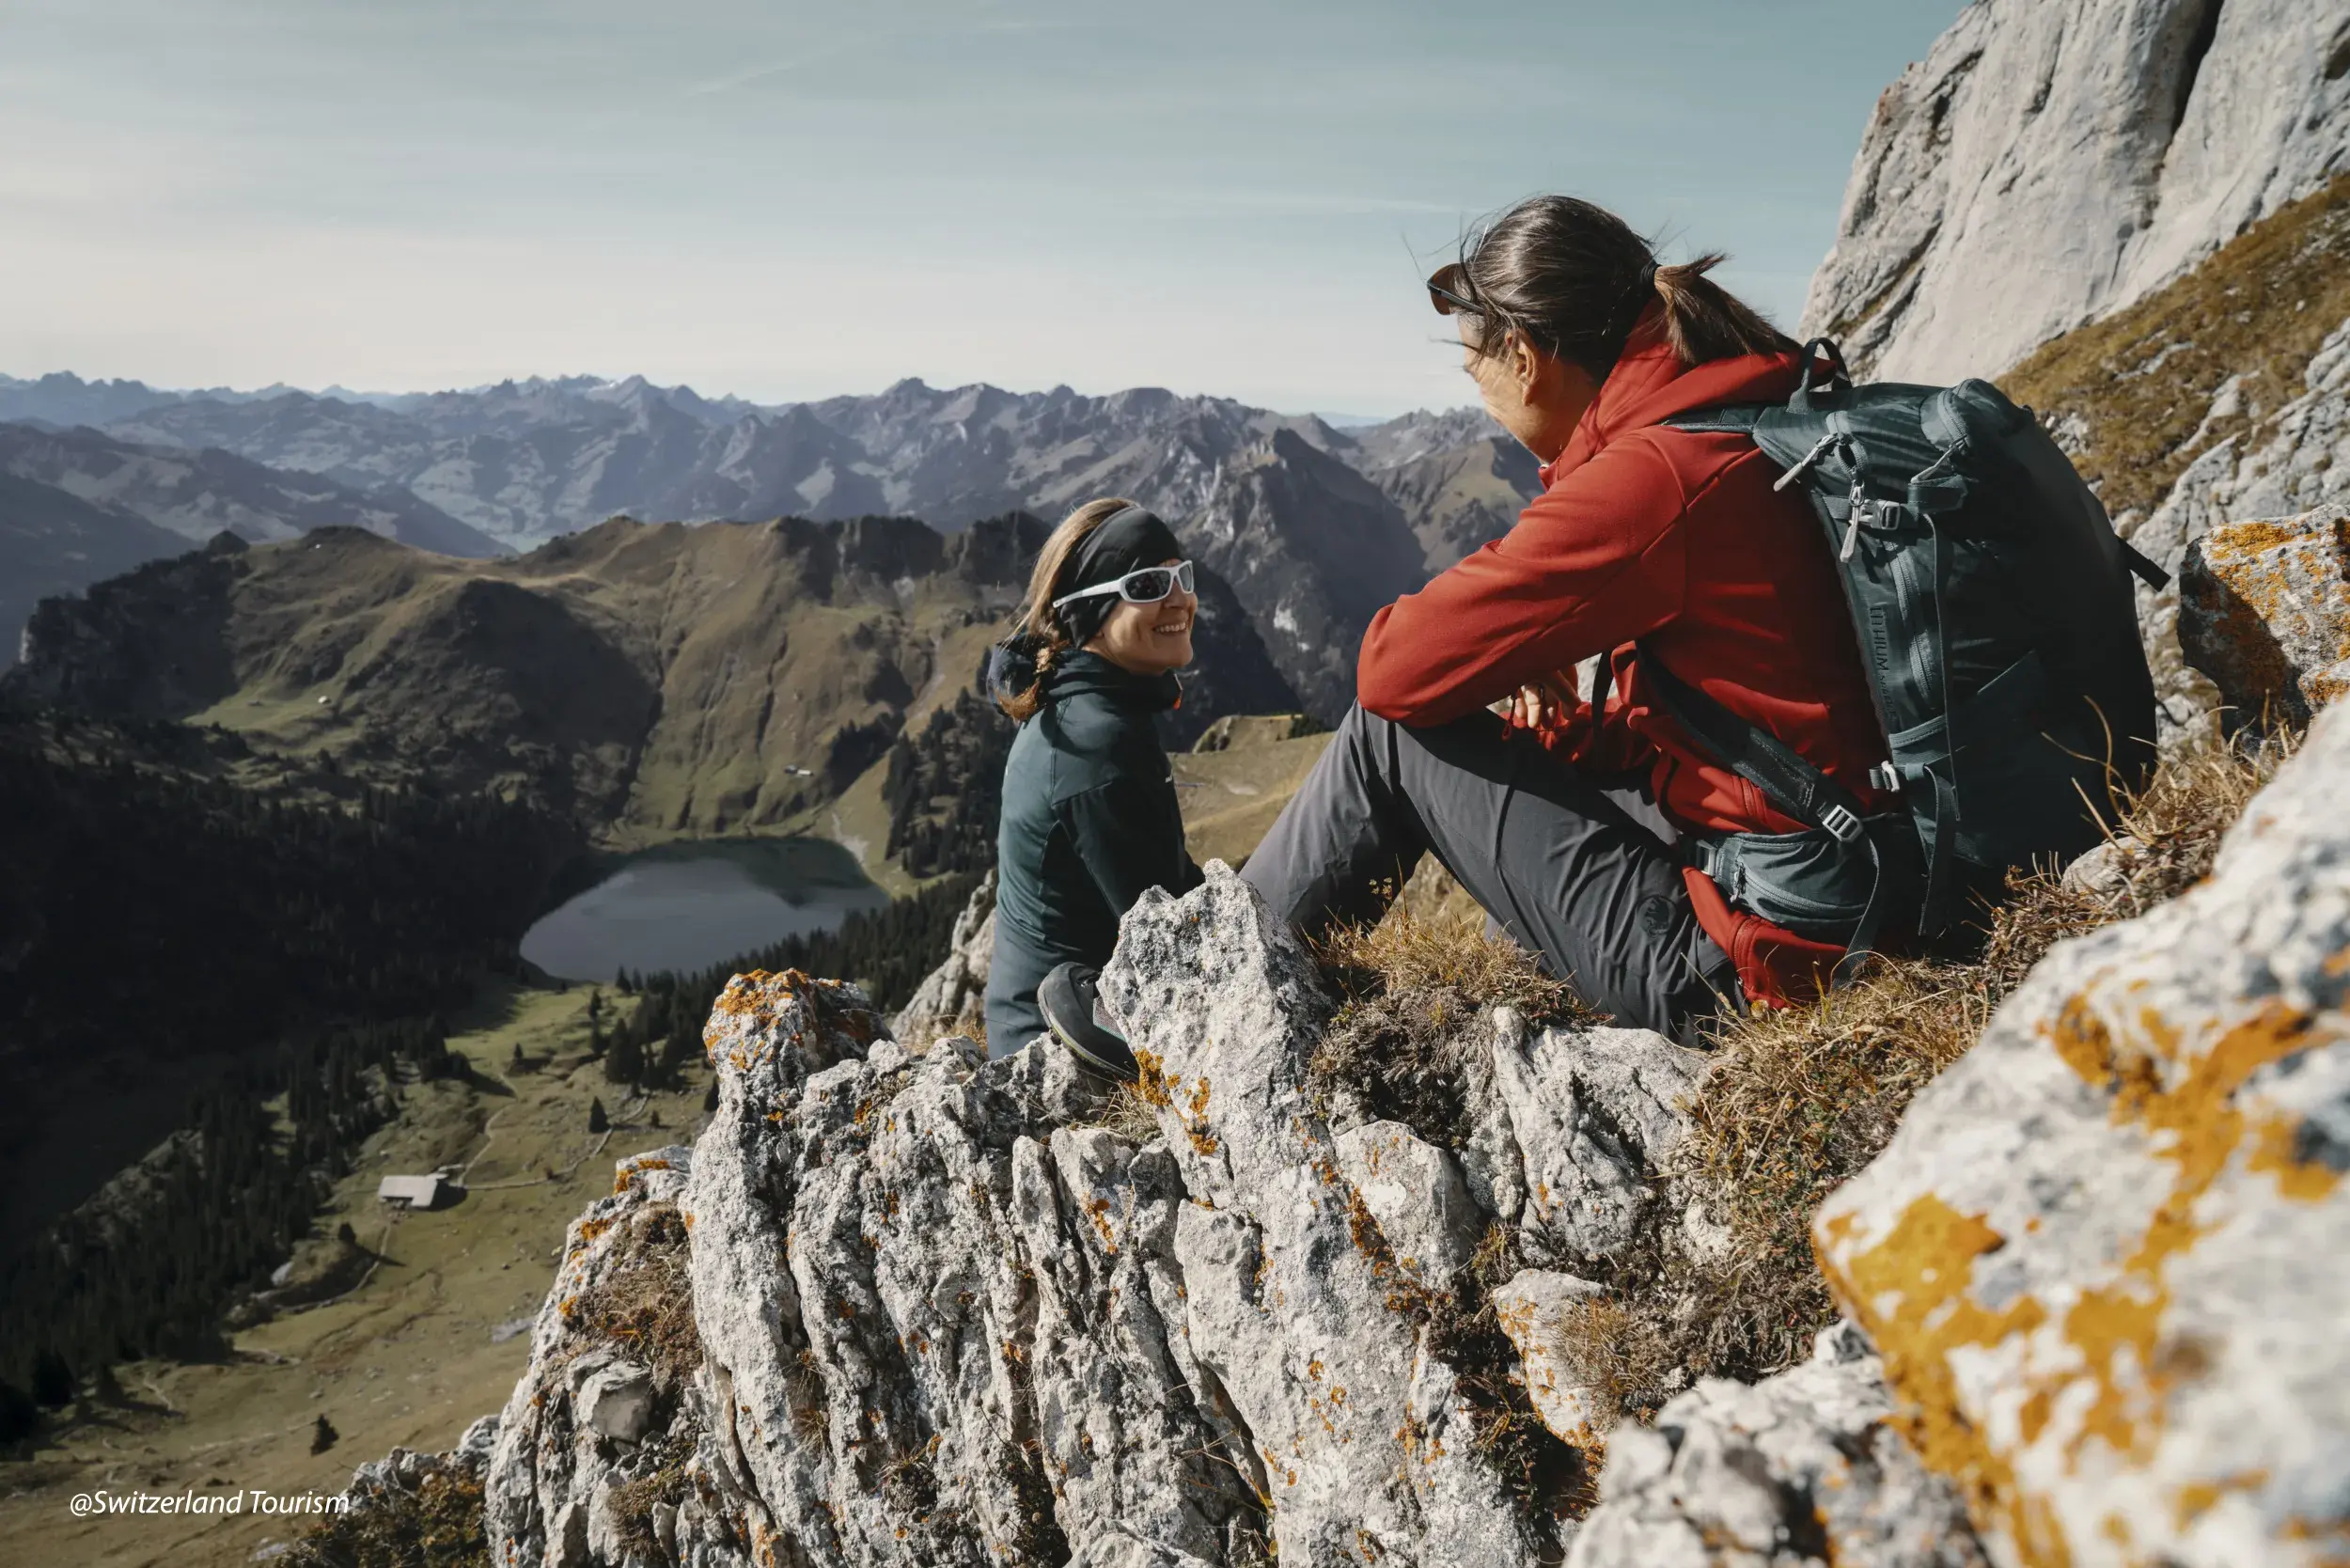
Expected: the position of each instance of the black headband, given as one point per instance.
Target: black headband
(1127, 540)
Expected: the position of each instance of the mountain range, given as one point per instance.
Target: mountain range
(1314, 527)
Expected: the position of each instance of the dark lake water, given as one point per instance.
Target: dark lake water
(690, 905)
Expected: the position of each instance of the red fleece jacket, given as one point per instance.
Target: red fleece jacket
(1677, 538)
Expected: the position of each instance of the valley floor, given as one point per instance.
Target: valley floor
(408, 1358)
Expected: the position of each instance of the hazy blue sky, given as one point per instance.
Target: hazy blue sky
(790, 200)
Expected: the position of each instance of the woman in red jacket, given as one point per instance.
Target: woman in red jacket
(1581, 832)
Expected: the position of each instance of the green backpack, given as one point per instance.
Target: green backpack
(1996, 618)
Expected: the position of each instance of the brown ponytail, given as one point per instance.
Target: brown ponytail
(1572, 279)
(1039, 623)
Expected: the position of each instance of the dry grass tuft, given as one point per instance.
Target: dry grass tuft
(1411, 952)
(644, 1305)
(437, 1526)
(1127, 1113)
(1802, 1098)
(1412, 988)
(1548, 1480)
(1624, 1358)
(663, 1481)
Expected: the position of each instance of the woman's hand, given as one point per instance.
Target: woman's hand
(1544, 704)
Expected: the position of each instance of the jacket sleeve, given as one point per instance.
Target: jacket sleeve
(1594, 562)
(1130, 836)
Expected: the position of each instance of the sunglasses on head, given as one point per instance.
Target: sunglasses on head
(1147, 586)
(1444, 292)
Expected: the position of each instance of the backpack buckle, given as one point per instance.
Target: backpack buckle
(1886, 777)
(1840, 823)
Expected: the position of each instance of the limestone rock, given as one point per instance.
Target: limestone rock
(1531, 1306)
(1368, 1444)
(2104, 1255)
(2296, 461)
(2103, 871)
(1594, 1113)
(593, 1437)
(398, 1476)
(2051, 161)
(952, 999)
(939, 1318)
(2264, 611)
(1415, 1192)
(1801, 1468)
(614, 1397)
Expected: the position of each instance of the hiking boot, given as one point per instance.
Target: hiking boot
(1073, 1010)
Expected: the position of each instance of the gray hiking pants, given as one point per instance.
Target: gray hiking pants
(1565, 867)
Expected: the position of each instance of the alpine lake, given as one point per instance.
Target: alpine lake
(689, 905)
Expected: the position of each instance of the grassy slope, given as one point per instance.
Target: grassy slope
(1229, 798)
(2140, 383)
(693, 668)
(405, 1360)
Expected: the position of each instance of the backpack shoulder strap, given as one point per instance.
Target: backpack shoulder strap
(1725, 418)
(1762, 760)
(2143, 568)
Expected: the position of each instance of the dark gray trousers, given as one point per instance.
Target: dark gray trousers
(1564, 867)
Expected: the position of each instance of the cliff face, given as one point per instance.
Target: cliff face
(2048, 162)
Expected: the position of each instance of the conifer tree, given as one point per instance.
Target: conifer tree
(597, 1122)
(624, 1064)
(52, 1379)
(323, 1435)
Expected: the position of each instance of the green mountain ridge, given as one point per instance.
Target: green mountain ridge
(649, 680)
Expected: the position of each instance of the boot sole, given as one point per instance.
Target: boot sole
(1091, 1065)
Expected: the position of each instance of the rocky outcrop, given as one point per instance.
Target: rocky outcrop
(1313, 548)
(2103, 1256)
(1457, 479)
(946, 1310)
(602, 1455)
(2048, 162)
(1808, 1466)
(2264, 611)
(2298, 461)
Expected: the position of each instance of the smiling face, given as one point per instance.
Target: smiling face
(1149, 639)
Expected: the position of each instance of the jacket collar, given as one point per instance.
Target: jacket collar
(1081, 672)
(1648, 385)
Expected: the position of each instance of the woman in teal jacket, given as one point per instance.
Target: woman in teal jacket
(1090, 818)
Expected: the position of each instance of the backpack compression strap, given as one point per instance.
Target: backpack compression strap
(1785, 779)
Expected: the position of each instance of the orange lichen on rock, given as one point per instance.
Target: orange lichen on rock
(2265, 612)
(2117, 1365)
(1909, 1291)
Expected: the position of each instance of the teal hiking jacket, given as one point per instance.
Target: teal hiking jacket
(1090, 819)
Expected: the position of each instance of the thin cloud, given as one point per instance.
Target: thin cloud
(797, 62)
(859, 42)
(1334, 203)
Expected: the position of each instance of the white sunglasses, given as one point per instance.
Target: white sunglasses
(1146, 586)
